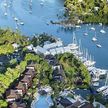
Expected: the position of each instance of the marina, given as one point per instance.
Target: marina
(87, 42)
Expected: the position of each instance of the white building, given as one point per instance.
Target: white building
(53, 45)
(40, 50)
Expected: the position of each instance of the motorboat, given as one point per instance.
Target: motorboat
(78, 26)
(15, 18)
(94, 39)
(5, 13)
(100, 24)
(86, 34)
(98, 45)
(95, 79)
(22, 23)
(102, 88)
(101, 72)
(92, 28)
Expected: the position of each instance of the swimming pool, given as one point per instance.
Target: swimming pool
(43, 102)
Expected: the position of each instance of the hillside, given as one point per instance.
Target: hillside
(92, 11)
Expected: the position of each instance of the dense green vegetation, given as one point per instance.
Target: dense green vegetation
(94, 11)
(7, 38)
(40, 39)
(10, 75)
(76, 73)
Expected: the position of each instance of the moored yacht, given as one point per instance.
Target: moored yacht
(86, 31)
(101, 72)
(102, 88)
(94, 38)
(92, 28)
(86, 34)
(78, 26)
(98, 45)
(103, 31)
(74, 45)
(15, 18)
(22, 23)
(89, 63)
(5, 13)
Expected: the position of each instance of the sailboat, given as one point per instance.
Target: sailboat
(74, 44)
(86, 32)
(89, 62)
(92, 28)
(100, 24)
(5, 6)
(79, 50)
(94, 38)
(102, 30)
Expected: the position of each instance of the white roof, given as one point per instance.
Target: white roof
(41, 50)
(53, 45)
(53, 51)
(30, 47)
(60, 50)
(15, 45)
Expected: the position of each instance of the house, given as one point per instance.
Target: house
(20, 88)
(50, 57)
(31, 67)
(11, 95)
(78, 104)
(30, 73)
(17, 105)
(75, 105)
(63, 103)
(15, 45)
(57, 74)
(27, 81)
(86, 105)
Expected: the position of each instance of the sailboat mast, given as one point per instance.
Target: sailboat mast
(106, 80)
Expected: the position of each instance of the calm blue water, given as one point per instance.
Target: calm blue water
(42, 103)
(42, 14)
